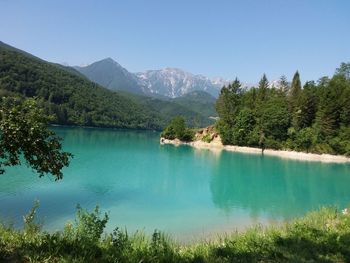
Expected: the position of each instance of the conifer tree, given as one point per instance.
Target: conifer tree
(307, 105)
(263, 86)
(294, 97)
(228, 103)
(284, 86)
(295, 89)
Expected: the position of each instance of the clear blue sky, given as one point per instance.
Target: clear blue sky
(214, 38)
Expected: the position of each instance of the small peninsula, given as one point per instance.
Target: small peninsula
(208, 138)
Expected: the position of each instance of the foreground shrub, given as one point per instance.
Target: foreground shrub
(321, 236)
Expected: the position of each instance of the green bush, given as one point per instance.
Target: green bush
(168, 133)
(273, 144)
(177, 129)
(225, 132)
(187, 135)
(322, 148)
(321, 236)
(305, 139)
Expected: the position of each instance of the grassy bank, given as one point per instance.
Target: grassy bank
(321, 236)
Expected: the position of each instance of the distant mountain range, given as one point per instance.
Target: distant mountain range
(109, 74)
(68, 95)
(168, 82)
(174, 82)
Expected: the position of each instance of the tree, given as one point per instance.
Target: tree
(342, 75)
(24, 132)
(307, 105)
(177, 129)
(179, 125)
(245, 122)
(343, 70)
(228, 103)
(345, 114)
(305, 139)
(275, 119)
(315, 118)
(295, 88)
(262, 90)
(323, 82)
(284, 85)
(328, 116)
(294, 97)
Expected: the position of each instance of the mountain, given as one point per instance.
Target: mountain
(75, 100)
(173, 82)
(111, 75)
(198, 101)
(7, 47)
(168, 82)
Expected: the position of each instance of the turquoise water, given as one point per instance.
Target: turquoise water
(186, 192)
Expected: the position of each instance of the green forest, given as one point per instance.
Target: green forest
(314, 117)
(74, 100)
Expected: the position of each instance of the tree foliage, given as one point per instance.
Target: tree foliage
(177, 129)
(313, 118)
(228, 102)
(284, 85)
(262, 90)
(24, 135)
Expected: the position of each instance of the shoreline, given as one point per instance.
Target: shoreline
(216, 145)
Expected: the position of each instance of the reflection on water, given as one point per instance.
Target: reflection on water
(279, 188)
(181, 190)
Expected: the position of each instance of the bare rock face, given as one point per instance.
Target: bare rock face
(207, 134)
(167, 141)
(174, 82)
(203, 137)
(167, 82)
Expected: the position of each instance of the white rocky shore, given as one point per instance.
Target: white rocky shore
(216, 145)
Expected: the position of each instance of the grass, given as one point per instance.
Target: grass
(320, 236)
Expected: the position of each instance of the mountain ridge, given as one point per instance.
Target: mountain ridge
(74, 100)
(111, 75)
(168, 82)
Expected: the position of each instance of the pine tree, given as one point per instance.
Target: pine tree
(330, 108)
(228, 103)
(262, 90)
(307, 105)
(284, 85)
(294, 100)
(295, 89)
(235, 87)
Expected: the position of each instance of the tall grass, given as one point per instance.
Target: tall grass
(321, 236)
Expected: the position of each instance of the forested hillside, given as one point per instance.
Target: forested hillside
(167, 109)
(313, 118)
(73, 99)
(199, 101)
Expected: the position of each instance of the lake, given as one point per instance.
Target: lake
(183, 191)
